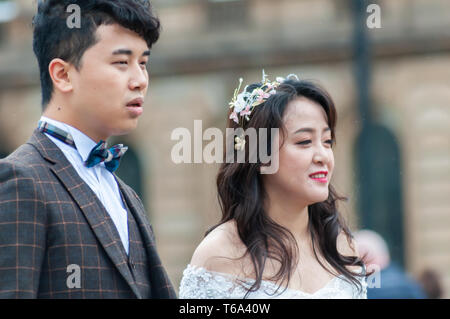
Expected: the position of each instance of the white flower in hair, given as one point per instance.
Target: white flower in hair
(239, 143)
(241, 101)
(244, 103)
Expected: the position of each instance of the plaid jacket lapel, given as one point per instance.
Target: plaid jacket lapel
(138, 212)
(159, 279)
(92, 208)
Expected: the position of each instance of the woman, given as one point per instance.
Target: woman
(280, 235)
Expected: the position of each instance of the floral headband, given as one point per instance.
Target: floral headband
(245, 102)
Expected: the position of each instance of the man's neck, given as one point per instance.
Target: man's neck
(63, 115)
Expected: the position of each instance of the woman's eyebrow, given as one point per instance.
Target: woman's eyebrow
(310, 130)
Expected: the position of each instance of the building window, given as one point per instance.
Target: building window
(9, 10)
(379, 186)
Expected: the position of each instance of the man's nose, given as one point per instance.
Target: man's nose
(139, 79)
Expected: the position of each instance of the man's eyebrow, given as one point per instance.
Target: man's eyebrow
(129, 52)
(310, 130)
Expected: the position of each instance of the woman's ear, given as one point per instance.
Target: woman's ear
(271, 167)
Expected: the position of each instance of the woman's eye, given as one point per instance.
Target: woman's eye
(329, 142)
(304, 142)
(121, 62)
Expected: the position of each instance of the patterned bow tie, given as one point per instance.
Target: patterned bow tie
(110, 156)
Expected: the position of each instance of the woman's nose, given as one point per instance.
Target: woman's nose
(320, 155)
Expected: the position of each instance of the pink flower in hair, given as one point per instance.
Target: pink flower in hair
(261, 95)
(246, 111)
(233, 116)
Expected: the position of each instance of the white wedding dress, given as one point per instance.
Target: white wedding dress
(200, 283)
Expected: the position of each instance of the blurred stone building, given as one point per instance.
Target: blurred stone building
(207, 45)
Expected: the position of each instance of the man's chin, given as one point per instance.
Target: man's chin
(125, 130)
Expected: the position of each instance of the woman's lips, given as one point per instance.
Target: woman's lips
(320, 180)
(320, 176)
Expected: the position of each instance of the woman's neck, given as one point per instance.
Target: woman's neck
(291, 215)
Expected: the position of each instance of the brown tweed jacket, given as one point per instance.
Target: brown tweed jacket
(51, 220)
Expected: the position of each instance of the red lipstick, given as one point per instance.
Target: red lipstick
(320, 176)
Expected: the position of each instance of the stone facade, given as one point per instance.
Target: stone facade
(206, 46)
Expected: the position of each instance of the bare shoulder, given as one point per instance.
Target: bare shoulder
(221, 250)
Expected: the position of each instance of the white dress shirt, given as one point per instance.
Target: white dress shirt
(99, 179)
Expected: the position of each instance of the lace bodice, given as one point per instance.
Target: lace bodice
(200, 283)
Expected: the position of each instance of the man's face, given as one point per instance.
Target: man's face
(112, 76)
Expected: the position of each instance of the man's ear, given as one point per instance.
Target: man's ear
(59, 72)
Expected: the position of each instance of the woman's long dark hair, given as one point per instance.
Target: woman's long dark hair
(242, 196)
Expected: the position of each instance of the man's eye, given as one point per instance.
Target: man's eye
(121, 62)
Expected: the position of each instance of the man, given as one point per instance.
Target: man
(69, 228)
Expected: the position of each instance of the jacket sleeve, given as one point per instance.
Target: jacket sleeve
(22, 231)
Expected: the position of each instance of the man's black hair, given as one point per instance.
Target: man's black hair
(53, 38)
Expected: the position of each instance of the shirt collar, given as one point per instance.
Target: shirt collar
(83, 142)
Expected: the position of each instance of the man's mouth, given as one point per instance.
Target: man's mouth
(138, 102)
(135, 107)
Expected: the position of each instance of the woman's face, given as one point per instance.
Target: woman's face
(306, 159)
